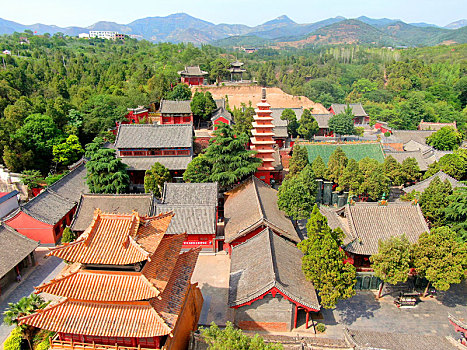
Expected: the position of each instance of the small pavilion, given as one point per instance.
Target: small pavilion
(236, 70)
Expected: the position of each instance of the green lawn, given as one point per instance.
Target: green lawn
(353, 151)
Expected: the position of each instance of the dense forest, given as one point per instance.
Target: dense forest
(54, 87)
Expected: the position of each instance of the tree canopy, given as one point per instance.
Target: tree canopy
(308, 126)
(298, 161)
(323, 261)
(342, 123)
(445, 139)
(155, 178)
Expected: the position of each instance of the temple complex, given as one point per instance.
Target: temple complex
(192, 75)
(262, 139)
(128, 286)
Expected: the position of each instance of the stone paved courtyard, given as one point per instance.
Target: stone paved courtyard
(365, 312)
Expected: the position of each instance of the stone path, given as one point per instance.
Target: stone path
(46, 270)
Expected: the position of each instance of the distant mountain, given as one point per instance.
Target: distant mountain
(181, 27)
(457, 24)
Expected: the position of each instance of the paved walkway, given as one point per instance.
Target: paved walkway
(430, 316)
(43, 272)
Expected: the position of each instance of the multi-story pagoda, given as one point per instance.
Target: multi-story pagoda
(262, 139)
(128, 287)
(236, 70)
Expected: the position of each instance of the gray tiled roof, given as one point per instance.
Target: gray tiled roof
(72, 185)
(220, 102)
(370, 222)
(435, 126)
(323, 120)
(422, 185)
(14, 247)
(110, 203)
(154, 136)
(416, 135)
(145, 163)
(190, 193)
(192, 219)
(266, 261)
(175, 107)
(280, 126)
(48, 207)
(253, 204)
(193, 71)
(357, 109)
(371, 340)
(401, 156)
(221, 112)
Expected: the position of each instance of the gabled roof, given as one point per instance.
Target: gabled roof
(422, 185)
(371, 222)
(323, 120)
(173, 298)
(116, 239)
(105, 319)
(193, 71)
(7, 195)
(100, 285)
(175, 107)
(14, 247)
(372, 340)
(415, 135)
(190, 218)
(357, 109)
(145, 163)
(154, 136)
(73, 184)
(190, 193)
(251, 205)
(222, 112)
(264, 262)
(48, 207)
(110, 203)
(401, 156)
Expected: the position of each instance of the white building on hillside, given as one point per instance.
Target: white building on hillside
(103, 34)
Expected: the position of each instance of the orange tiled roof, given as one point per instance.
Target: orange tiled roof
(161, 266)
(116, 239)
(131, 319)
(172, 299)
(95, 285)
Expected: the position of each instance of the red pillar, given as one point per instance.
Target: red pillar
(295, 317)
(307, 318)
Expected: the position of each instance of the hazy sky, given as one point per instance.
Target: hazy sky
(251, 12)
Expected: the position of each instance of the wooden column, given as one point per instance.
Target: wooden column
(307, 318)
(295, 316)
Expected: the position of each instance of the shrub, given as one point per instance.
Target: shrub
(68, 235)
(14, 341)
(320, 327)
(41, 340)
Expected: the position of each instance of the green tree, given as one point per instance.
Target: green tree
(39, 134)
(105, 172)
(155, 178)
(231, 161)
(393, 170)
(454, 165)
(68, 235)
(374, 182)
(243, 118)
(445, 139)
(292, 123)
(198, 170)
(197, 105)
(351, 177)
(232, 338)
(25, 306)
(298, 161)
(219, 69)
(319, 168)
(410, 171)
(336, 164)
(433, 201)
(456, 213)
(32, 178)
(342, 123)
(181, 92)
(323, 248)
(440, 258)
(308, 126)
(391, 263)
(297, 194)
(68, 152)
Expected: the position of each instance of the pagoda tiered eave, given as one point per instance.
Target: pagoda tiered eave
(256, 133)
(254, 141)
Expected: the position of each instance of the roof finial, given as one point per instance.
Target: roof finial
(263, 94)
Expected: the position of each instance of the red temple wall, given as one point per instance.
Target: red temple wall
(220, 120)
(193, 80)
(168, 119)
